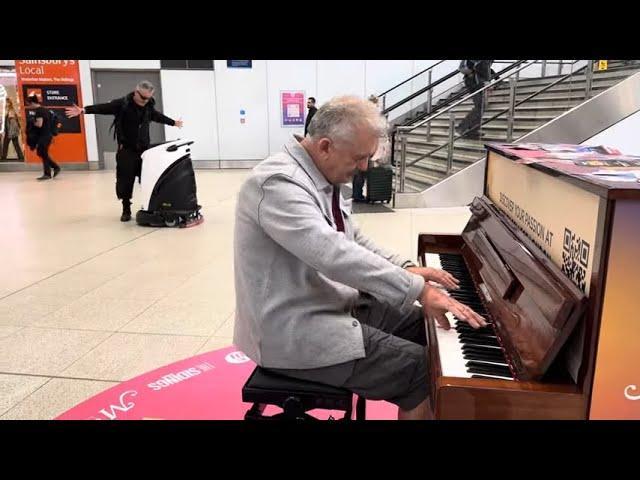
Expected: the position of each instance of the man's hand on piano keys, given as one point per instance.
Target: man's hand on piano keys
(435, 303)
(436, 275)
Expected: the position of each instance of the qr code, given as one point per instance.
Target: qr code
(575, 257)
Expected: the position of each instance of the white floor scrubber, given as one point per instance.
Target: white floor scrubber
(168, 185)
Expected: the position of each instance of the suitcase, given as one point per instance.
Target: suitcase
(379, 184)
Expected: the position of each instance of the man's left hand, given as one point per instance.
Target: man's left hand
(442, 277)
(178, 123)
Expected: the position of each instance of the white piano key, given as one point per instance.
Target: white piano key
(433, 260)
(451, 356)
(450, 349)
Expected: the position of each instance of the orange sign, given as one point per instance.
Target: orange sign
(56, 83)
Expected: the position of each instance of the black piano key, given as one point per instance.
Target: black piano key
(479, 348)
(463, 324)
(476, 335)
(476, 375)
(490, 369)
(470, 296)
(479, 367)
(485, 316)
(469, 337)
(465, 297)
(471, 331)
(486, 371)
(482, 349)
(479, 341)
(461, 327)
(482, 333)
(485, 357)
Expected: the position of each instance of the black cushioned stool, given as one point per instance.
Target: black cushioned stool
(295, 397)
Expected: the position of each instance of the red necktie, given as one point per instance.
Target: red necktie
(335, 207)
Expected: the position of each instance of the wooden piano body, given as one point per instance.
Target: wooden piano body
(568, 335)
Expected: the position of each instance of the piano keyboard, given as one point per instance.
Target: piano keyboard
(464, 351)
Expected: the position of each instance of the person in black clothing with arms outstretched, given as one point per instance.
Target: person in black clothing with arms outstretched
(133, 113)
(311, 105)
(40, 135)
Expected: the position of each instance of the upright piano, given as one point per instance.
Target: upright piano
(550, 258)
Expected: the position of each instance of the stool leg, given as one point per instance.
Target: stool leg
(255, 412)
(361, 406)
(292, 409)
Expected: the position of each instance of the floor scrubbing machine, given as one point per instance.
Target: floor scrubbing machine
(168, 185)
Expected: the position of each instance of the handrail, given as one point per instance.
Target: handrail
(420, 92)
(410, 78)
(438, 82)
(548, 62)
(408, 128)
(459, 94)
(538, 92)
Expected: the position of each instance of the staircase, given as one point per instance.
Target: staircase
(528, 116)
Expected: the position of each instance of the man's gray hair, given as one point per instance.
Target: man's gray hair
(145, 85)
(339, 118)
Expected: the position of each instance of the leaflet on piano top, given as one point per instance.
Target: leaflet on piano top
(585, 161)
(563, 147)
(617, 176)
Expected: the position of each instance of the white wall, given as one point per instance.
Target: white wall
(340, 77)
(381, 75)
(623, 136)
(210, 101)
(191, 95)
(7, 63)
(242, 89)
(126, 64)
(421, 81)
(287, 75)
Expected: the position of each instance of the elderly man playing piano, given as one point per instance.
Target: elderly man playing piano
(316, 299)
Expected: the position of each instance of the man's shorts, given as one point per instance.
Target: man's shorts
(394, 367)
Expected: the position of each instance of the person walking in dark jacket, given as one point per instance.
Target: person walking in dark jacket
(477, 73)
(40, 135)
(311, 105)
(133, 114)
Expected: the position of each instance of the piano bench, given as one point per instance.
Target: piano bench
(295, 397)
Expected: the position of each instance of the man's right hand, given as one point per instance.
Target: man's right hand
(435, 303)
(73, 111)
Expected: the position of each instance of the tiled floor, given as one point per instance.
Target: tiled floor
(86, 301)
